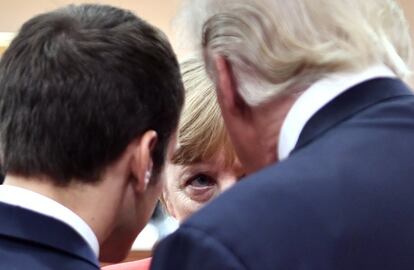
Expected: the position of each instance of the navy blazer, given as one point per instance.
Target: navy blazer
(343, 199)
(31, 241)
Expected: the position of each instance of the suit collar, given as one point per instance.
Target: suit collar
(38, 229)
(44, 205)
(316, 97)
(349, 103)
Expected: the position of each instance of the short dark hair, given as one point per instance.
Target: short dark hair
(77, 85)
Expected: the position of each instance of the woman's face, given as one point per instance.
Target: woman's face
(189, 187)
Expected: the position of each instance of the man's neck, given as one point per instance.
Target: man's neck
(268, 119)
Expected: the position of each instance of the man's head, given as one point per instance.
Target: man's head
(89, 94)
(261, 52)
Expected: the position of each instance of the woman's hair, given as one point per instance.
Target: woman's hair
(201, 131)
(276, 46)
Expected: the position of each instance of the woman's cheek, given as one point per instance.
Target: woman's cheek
(190, 201)
(201, 195)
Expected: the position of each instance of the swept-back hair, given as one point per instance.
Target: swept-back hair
(276, 46)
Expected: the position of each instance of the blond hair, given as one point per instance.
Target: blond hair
(276, 46)
(201, 130)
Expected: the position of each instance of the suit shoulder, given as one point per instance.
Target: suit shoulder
(189, 246)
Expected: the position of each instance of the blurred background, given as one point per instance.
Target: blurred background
(14, 12)
(157, 12)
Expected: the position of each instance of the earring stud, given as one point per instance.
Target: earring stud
(147, 177)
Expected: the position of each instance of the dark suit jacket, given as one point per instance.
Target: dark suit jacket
(344, 199)
(31, 241)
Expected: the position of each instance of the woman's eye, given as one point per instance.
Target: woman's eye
(201, 181)
(201, 188)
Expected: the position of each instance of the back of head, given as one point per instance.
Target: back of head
(77, 85)
(276, 46)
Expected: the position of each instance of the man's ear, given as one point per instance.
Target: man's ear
(141, 161)
(226, 86)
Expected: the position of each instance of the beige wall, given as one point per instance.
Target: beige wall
(14, 12)
(408, 6)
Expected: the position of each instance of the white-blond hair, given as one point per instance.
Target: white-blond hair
(276, 46)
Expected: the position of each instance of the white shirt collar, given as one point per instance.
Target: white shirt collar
(41, 204)
(316, 97)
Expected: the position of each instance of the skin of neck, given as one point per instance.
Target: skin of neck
(265, 125)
